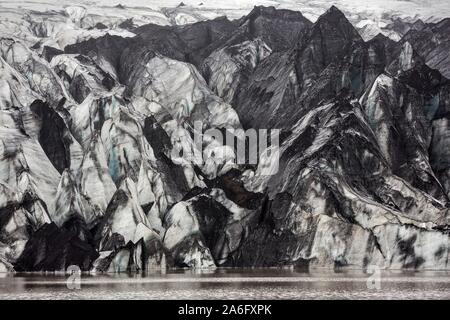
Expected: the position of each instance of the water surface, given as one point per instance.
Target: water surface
(230, 284)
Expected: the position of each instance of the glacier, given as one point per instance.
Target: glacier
(97, 102)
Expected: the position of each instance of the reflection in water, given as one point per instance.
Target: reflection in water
(229, 284)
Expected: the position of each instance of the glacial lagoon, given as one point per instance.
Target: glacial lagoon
(229, 284)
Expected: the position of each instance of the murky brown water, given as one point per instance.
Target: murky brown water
(230, 284)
